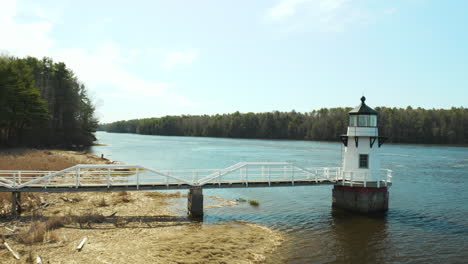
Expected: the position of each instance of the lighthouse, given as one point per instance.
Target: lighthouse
(363, 186)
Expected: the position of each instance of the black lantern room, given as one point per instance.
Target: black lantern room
(363, 116)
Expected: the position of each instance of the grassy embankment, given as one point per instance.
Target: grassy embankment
(121, 227)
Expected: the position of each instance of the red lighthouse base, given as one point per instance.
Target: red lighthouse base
(360, 199)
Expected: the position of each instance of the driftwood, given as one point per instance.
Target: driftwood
(66, 199)
(10, 229)
(80, 246)
(11, 250)
(113, 214)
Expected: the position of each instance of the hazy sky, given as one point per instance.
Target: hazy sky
(154, 58)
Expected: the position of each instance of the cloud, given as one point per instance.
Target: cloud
(103, 68)
(285, 9)
(177, 58)
(23, 39)
(322, 15)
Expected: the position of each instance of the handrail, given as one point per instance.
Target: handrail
(248, 172)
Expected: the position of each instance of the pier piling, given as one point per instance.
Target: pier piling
(195, 202)
(361, 199)
(16, 203)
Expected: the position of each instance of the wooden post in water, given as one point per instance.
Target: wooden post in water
(195, 202)
(16, 203)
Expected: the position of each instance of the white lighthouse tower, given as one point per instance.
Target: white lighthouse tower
(362, 187)
(361, 161)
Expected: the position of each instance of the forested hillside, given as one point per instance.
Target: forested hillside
(42, 103)
(434, 126)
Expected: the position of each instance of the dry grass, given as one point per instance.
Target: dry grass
(34, 160)
(48, 160)
(122, 197)
(29, 202)
(164, 195)
(102, 203)
(143, 231)
(57, 222)
(38, 232)
(125, 199)
(122, 193)
(120, 222)
(88, 218)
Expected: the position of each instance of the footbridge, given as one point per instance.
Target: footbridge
(103, 178)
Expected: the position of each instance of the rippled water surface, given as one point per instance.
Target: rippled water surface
(427, 221)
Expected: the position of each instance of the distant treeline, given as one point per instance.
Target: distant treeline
(42, 103)
(435, 126)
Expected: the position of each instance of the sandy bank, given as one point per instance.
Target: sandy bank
(122, 227)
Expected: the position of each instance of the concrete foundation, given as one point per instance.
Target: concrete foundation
(195, 202)
(360, 199)
(16, 203)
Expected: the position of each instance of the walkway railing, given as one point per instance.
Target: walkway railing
(107, 176)
(384, 178)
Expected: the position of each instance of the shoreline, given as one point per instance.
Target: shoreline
(305, 140)
(152, 232)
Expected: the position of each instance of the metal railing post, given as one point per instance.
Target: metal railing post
(269, 177)
(19, 177)
(352, 178)
(292, 175)
(316, 176)
(386, 180)
(378, 180)
(365, 179)
(48, 181)
(77, 177)
(246, 176)
(108, 178)
(138, 178)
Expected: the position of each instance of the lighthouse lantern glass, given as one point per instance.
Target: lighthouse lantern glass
(373, 121)
(363, 120)
(352, 120)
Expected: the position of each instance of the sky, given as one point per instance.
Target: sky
(154, 58)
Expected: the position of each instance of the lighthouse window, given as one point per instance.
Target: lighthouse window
(363, 161)
(363, 120)
(353, 120)
(373, 121)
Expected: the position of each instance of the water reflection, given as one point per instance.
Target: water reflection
(359, 238)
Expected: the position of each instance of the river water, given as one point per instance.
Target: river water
(427, 221)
